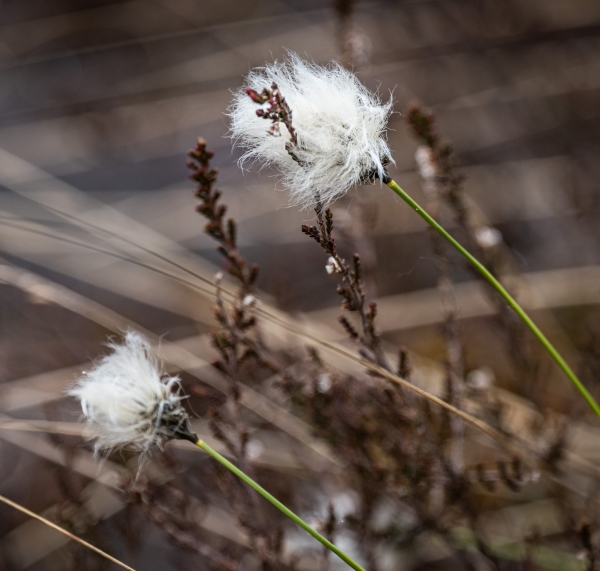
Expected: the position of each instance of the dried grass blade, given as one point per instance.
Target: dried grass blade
(64, 532)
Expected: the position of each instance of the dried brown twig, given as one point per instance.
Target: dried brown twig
(239, 347)
(168, 508)
(222, 231)
(351, 290)
(278, 112)
(439, 179)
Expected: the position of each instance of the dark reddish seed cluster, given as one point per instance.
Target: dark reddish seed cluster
(277, 112)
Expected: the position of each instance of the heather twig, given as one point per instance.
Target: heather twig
(351, 290)
(454, 358)
(585, 533)
(168, 509)
(353, 45)
(277, 112)
(224, 231)
(438, 167)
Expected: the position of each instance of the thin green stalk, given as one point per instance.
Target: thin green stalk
(235, 470)
(500, 289)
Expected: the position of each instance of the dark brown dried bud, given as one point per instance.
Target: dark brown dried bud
(259, 98)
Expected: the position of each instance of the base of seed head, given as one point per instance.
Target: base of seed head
(174, 425)
(370, 176)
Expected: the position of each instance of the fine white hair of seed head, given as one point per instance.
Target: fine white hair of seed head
(126, 399)
(340, 127)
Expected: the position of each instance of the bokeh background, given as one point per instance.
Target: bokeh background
(101, 100)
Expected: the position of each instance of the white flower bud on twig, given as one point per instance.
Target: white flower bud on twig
(249, 300)
(340, 128)
(126, 399)
(332, 267)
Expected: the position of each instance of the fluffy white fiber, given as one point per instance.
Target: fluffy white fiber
(127, 401)
(340, 125)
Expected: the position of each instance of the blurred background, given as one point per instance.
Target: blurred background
(99, 103)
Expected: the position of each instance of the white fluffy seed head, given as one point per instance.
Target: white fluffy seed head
(127, 401)
(340, 126)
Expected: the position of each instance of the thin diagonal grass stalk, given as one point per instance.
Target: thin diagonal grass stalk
(87, 224)
(505, 295)
(14, 223)
(64, 532)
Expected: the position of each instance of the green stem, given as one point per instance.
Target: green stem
(500, 289)
(232, 468)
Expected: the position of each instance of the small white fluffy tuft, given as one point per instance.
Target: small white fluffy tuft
(126, 399)
(487, 237)
(340, 125)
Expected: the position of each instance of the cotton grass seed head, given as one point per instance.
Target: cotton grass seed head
(126, 399)
(340, 129)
